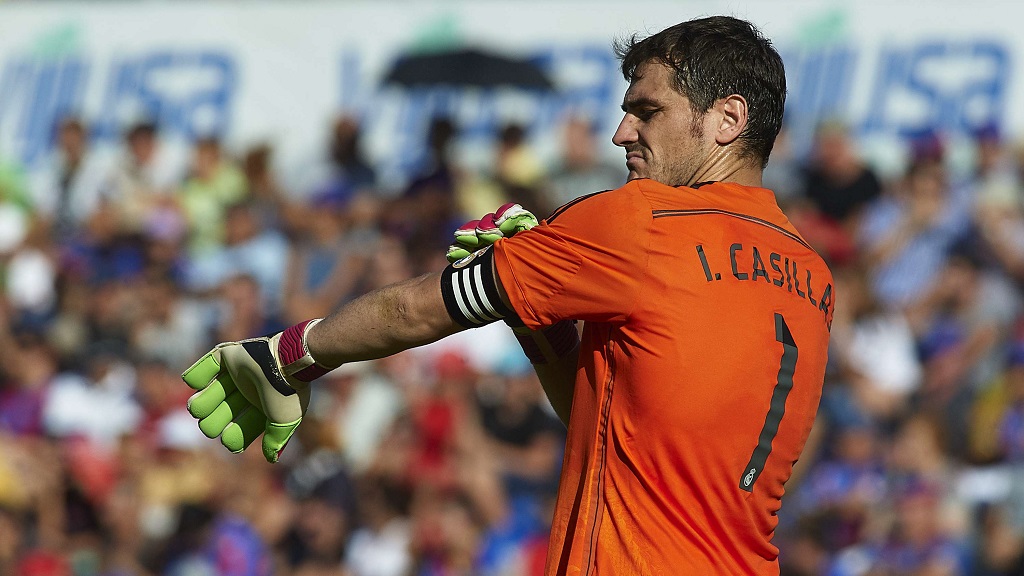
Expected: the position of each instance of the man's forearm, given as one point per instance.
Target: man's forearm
(260, 386)
(558, 379)
(410, 314)
(383, 322)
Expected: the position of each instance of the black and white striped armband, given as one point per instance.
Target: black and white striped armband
(470, 291)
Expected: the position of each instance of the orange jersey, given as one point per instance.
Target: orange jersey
(701, 364)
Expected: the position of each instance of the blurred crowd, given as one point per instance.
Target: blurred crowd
(117, 271)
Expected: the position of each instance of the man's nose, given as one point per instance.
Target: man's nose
(626, 133)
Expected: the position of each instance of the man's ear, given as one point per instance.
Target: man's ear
(732, 113)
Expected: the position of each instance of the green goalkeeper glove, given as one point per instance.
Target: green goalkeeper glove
(252, 387)
(540, 346)
(504, 222)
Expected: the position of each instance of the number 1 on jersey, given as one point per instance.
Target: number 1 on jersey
(777, 408)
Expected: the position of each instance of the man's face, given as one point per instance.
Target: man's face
(663, 139)
(142, 147)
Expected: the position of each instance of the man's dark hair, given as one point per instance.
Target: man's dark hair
(141, 129)
(714, 58)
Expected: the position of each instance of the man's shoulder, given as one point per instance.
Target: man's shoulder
(706, 195)
(750, 203)
(607, 202)
(642, 199)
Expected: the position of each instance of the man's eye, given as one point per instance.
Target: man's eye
(644, 115)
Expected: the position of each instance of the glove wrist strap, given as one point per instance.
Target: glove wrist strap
(294, 356)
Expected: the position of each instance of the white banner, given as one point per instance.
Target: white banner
(280, 71)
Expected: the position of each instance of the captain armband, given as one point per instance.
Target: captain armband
(470, 291)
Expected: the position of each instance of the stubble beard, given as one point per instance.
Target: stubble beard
(680, 170)
(685, 169)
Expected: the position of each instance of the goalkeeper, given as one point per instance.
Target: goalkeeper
(696, 379)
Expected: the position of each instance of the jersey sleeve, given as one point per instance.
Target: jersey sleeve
(585, 262)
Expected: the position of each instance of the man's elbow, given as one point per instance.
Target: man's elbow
(416, 307)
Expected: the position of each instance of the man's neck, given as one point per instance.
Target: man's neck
(724, 164)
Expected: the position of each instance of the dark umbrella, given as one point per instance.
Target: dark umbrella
(467, 68)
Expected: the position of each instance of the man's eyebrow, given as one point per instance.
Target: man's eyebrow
(639, 102)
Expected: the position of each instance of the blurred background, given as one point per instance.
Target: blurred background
(175, 174)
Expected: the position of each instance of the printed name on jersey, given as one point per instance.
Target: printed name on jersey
(747, 263)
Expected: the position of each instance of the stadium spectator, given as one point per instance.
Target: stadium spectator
(242, 309)
(839, 495)
(836, 180)
(213, 184)
(16, 208)
(517, 170)
(526, 437)
(71, 189)
(917, 542)
(329, 262)
(168, 326)
(906, 235)
(582, 169)
(357, 406)
(269, 197)
(31, 270)
(381, 547)
(919, 455)
(14, 189)
(247, 249)
(1000, 546)
(320, 532)
(874, 348)
(992, 162)
(1005, 401)
(516, 163)
(999, 224)
(960, 322)
(29, 366)
(164, 242)
(97, 405)
(835, 188)
(141, 184)
(351, 174)
(427, 211)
